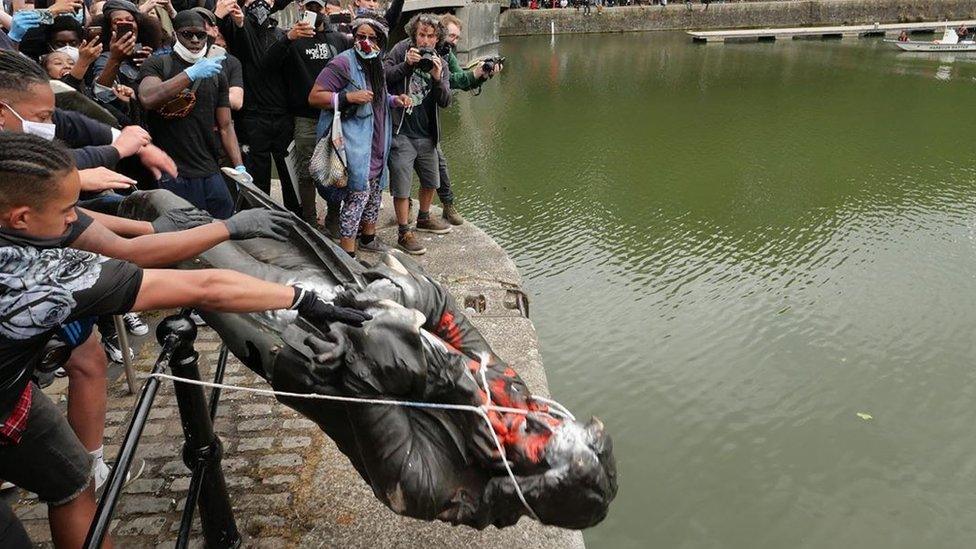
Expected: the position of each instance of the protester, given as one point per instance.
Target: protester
(186, 96)
(263, 124)
(302, 53)
(38, 189)
(464, 80)
(417, 130)
(126, 46)
(354, 80)
(27, 105)
(231, 66)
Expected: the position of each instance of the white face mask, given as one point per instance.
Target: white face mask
(71, 51)
(44, 130)
(187, 55)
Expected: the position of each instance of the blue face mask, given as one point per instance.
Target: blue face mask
(80, 16)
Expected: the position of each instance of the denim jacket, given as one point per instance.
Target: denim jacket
(357, 131)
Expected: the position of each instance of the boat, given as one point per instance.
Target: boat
(949, 42)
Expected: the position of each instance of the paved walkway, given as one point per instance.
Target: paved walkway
(289, 485)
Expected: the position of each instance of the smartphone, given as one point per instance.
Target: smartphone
(124, 28)
(340, 18)
(92, 32)
(310, 17)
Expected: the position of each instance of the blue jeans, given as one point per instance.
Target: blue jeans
(207, 193)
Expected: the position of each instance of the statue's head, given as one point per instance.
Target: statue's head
(573, 484)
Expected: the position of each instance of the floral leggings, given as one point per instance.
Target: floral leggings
(360, 207)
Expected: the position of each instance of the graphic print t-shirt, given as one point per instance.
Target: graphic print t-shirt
(43, 288)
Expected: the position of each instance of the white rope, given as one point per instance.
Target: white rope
(480, 410)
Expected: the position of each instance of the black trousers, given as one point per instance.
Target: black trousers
(444, 191)
(265, 138)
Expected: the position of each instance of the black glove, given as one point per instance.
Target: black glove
(260, 224)
(313, 308)
(180, 219)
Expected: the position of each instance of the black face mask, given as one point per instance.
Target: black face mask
(260, 10)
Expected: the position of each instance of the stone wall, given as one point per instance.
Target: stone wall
(735, 15)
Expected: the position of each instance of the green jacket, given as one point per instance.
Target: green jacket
(461, 79)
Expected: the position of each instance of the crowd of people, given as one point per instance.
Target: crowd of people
(102, 97)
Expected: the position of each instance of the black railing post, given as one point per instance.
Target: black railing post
(202, 450)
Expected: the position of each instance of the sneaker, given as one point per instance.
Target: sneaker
(60, 372)
(100, 475)
(133, 322)
(7, 485)
(113, 349)
(451, 215)
(408, 242)
(197, 319)
(376, 246)
(433, 225)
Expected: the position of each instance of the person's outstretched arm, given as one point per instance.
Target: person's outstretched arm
(226, 291)
(167, 248)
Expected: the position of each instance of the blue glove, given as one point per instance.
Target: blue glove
(23, 21)
(244, 175)
(204, 68)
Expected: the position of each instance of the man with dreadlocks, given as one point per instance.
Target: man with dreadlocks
(44, 285)
(354, 83)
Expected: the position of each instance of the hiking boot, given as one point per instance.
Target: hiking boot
(433, 225)
(134, 324)
(113, 348)
(451, 215)
(376, 246)
(408, 242)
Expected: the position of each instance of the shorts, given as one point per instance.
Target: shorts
(408, 154)
(49, 460)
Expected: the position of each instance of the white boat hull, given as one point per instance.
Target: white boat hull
(932, 46)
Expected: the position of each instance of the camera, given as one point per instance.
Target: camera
(426, 62)
(488, 65)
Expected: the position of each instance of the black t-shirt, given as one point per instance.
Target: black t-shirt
(305, 59)
(190, 140)
(233, 70)
(42, 288)
(417, 124)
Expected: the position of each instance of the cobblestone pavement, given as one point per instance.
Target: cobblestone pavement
(267, 449)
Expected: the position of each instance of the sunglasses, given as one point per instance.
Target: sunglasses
(190, 35)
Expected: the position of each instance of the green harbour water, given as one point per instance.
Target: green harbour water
(732, 251)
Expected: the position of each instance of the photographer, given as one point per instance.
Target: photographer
(464, 80)
(38, 190)
(414, 68)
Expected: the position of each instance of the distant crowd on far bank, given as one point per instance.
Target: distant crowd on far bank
(586, 6)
